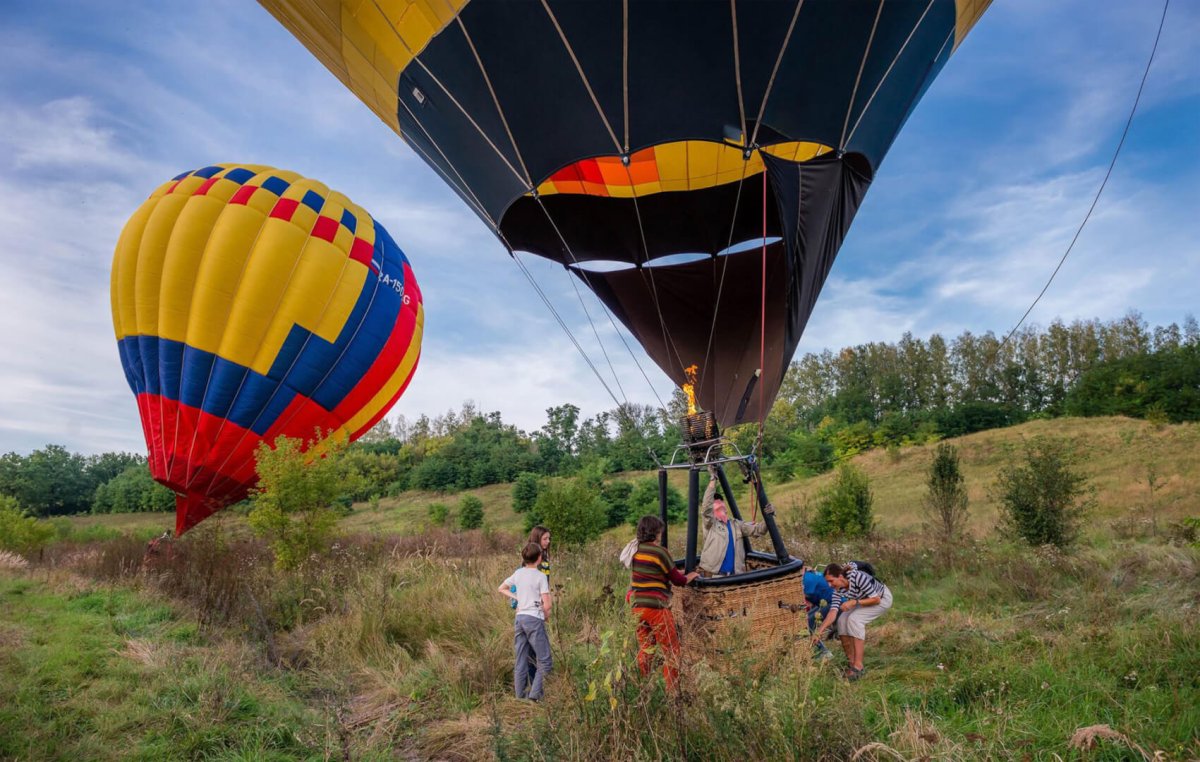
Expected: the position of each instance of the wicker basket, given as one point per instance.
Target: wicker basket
(768, 614)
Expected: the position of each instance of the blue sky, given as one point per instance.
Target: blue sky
(979, 197)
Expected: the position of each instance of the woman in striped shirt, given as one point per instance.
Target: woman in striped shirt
(858, 598)
(651, 575)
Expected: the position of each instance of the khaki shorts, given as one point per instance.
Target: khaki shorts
(854, 624)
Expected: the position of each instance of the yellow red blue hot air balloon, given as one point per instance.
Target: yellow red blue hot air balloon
(251, 303)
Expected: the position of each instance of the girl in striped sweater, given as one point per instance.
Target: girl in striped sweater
(858, 598)
(651, 575)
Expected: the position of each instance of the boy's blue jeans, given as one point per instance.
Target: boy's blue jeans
(812, 623)
(532, 647)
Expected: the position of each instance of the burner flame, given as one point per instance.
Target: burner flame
(690, 388)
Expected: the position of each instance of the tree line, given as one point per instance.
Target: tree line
(831, 406)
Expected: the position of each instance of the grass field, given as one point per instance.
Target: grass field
(395, 646)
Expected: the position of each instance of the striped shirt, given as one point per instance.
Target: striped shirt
(862, 585)
(652, 573)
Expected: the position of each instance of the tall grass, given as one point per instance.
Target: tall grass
(398, 645)
(991, 651)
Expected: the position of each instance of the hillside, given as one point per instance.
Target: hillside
(1115, 454)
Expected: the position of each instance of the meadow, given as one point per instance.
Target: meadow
(394, 645)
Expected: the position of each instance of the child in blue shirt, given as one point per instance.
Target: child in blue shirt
(818, 595)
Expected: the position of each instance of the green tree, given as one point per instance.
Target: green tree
(297, 484)
(109, 465)
(132, 491)
(20, 533)
(616, 498)
(1045, 498)
(845, 507)
(438, 513)
(946, 497)
(470, 512)
(47, 482)
(525, 491)
(571, 510)
(644, 501)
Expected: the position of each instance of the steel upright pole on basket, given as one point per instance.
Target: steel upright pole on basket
(768, 513)
(733, 506)
(662, 502)
(693, 518)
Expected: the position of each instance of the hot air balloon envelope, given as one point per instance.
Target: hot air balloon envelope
(632, 132)
(251, 303)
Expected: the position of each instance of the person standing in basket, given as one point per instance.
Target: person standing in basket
(531, 644)
(651, 575)
(724, 552)
(858, 598)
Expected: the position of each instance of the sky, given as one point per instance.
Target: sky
(985, 187)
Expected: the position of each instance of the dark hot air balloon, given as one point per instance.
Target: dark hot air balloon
(649, 139)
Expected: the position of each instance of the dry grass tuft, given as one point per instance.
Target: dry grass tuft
(147, 653)
(12, 637)
(873, 750)
(462, 739)
(1087, 738)
(920, 738)
(12, 561)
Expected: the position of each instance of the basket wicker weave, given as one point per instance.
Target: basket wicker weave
(764, 615)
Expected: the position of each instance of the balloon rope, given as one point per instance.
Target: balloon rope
(762, 342)
(1124, 134)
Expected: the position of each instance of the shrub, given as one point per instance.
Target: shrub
(946, 500)
(525, 491)
(616, 497)
(20, 533)
(470, 512)
(438, 513)
(644, 501)
(132, 490)
(571, 510)
(1044, 499)
(844, 508)
(296, 487)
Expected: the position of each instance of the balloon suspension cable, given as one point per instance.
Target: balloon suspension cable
(622, 408)
(762, 348)
(1103, 183)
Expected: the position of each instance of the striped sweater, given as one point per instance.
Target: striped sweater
(653, 573)
(862, 585)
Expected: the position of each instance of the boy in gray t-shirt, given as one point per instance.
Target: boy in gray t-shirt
(530, 642)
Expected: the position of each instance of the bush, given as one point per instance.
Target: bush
(470, 512)
(644, 502)
(844, 508)
(525, 491)
(571, 510)
(438, 513)
(20, 533)
(1044, 499)
(946, 500)
(616, 497)
(296, 487)
(133, 490)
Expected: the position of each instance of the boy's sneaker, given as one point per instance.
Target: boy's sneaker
(825, 655)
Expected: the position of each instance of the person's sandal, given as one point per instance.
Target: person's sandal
(852, 674)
